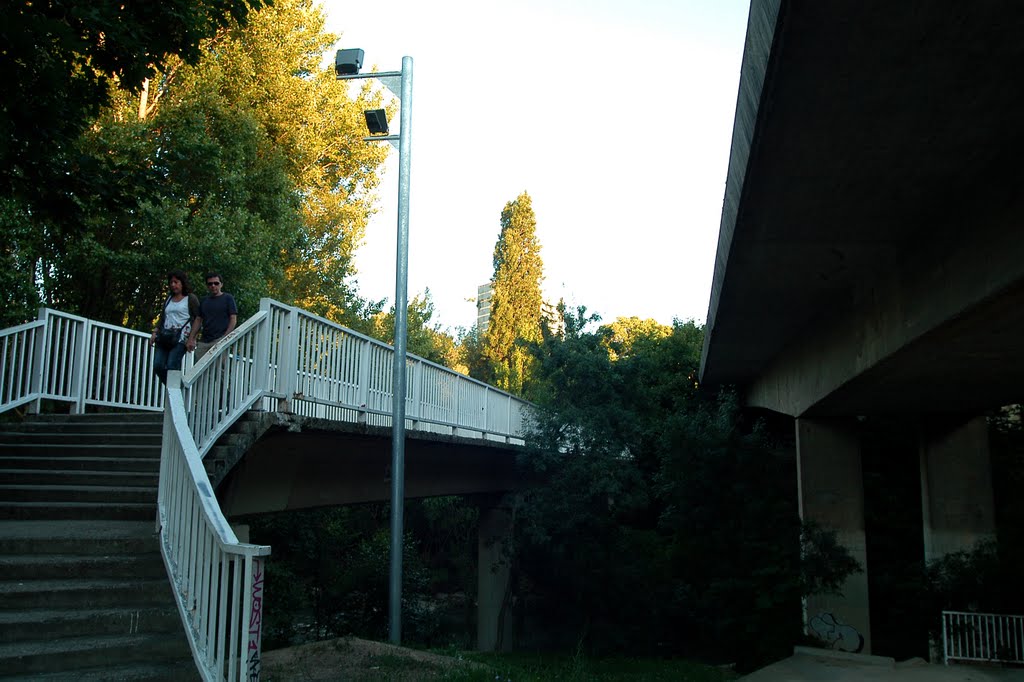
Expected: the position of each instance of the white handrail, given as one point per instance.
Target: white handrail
(283, 358)
(988, 637)
(217, 580)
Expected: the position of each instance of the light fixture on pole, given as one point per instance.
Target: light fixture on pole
(347, 64)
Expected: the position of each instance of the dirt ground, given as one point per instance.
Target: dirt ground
(356, 660)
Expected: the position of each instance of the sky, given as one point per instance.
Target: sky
(615, 117)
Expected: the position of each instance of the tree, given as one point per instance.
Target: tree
(250, 162)
(516, 302)
(647, 480)
(426, 340)
(63, 59)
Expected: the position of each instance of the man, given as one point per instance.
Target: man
(217, 317)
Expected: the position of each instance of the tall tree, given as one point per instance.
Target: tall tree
(250, 162)
(60, 61)
(516, 302)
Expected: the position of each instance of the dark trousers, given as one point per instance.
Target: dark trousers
(165, 360)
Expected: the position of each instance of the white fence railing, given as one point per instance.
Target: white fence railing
(985, 637)
(71, 359)
(321, 369)
(217, 580)
(282, 358)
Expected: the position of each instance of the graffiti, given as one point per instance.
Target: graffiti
(255, 621)
(838, 635)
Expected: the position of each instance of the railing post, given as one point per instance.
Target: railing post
(363, 386)
(289, 349)
(78, 381)
(40, 346)
(417, 399)
(487, 417)
(262, 353)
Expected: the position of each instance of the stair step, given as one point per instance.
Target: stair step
(155, 416)
(21, 626)
(79, 450)
(62, 655)
(92, 537)
(51, 566)
(87, 594)
(77, 493)
(84, 427)
(38, 511)
(81, 477)
(168, 671)
(142, 464)
(61, 439)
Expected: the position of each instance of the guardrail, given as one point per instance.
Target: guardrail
(320, 369)
(217, 580)
(282, 358)
(982, 637)
(72, 359)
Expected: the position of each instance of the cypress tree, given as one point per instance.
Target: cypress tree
(516, 302)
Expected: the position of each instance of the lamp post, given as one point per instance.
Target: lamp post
(347, 65)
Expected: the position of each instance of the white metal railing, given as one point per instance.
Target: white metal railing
(282, 358)
(69, 358)
(321, 369)
(987, 637)
(217, 580)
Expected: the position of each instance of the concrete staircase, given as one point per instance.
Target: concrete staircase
(83, 591)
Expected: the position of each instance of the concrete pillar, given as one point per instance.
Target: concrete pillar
(493, 617)
(958, 509)
(831, 490)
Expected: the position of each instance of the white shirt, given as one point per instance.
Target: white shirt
(176, 315)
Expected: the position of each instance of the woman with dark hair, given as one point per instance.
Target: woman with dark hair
(174, 325)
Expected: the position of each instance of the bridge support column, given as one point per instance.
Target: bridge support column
(831, 489)
(493, 610)
(957, 503)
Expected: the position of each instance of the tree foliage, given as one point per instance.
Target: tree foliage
(249, 161)
(61, 61)
(425, 339)
(666, 521)
(516, 301)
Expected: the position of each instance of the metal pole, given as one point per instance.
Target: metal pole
(399, 374)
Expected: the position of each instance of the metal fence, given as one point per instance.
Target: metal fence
(282, 358)
(982, 637)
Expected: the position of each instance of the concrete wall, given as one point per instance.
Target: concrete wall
(958, 509)
(494, 613)
(831, 490)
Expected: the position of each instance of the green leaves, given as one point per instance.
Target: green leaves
(516, 301)
(245, 157)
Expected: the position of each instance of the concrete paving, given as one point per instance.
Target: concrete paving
(818, 665)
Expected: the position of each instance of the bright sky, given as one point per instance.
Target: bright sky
(615, 117)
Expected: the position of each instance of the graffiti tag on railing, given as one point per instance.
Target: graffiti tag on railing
(255, 620)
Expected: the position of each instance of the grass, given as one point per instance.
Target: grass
(520, 667)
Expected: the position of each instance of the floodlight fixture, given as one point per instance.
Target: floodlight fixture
(376, 121)
(348, 62)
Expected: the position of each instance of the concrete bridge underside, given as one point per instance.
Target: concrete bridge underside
(300, 463)
(870, 259)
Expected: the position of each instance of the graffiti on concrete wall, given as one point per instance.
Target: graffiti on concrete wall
(838, 635)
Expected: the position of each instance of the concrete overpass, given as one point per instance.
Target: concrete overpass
(869, 258)
(282, 461)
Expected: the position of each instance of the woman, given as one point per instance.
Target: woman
(174, 325)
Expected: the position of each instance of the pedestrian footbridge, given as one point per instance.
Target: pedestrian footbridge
(320, 396)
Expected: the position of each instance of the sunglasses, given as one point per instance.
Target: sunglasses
(213, 284)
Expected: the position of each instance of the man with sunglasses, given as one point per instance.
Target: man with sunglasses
(217, 316)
